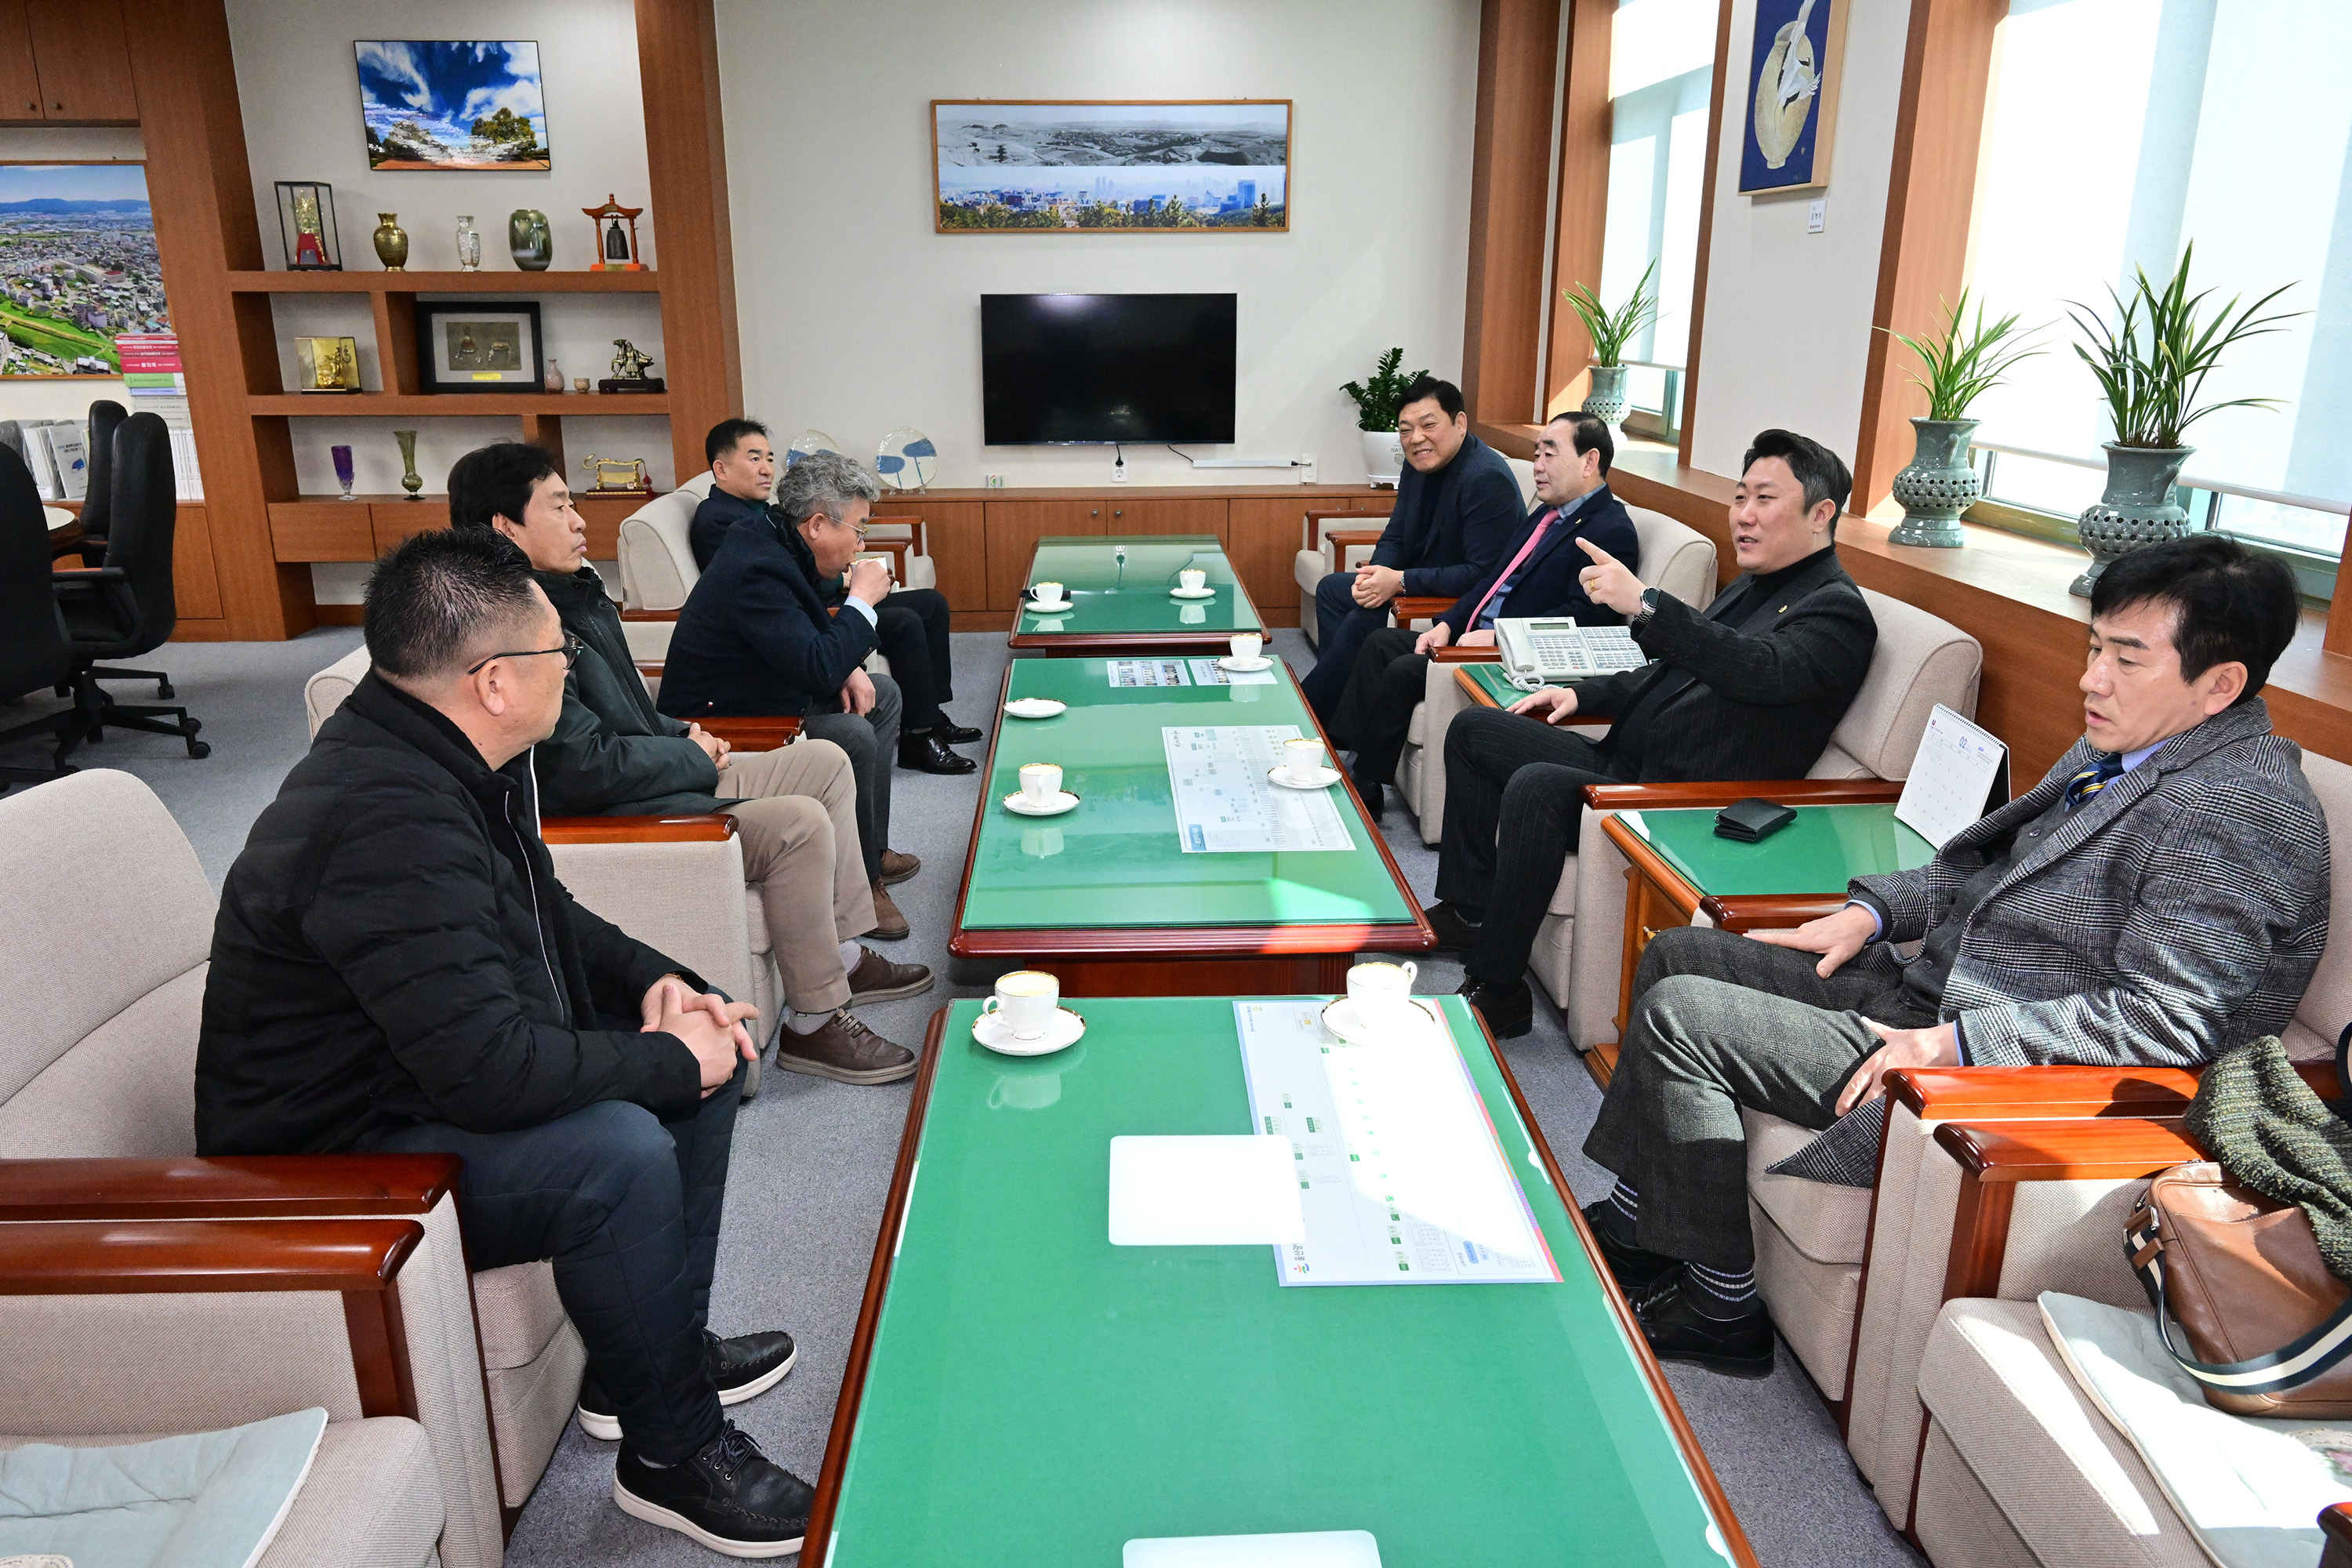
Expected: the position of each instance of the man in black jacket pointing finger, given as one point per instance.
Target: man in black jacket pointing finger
(396, 969)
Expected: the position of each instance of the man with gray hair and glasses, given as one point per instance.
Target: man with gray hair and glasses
(755, 638)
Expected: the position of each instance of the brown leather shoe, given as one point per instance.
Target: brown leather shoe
(897, 867)
(876, 979)
(889, 925)
(845, 1051)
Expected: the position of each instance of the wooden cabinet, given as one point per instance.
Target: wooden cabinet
(322, 530)
(955, 536)
(1014, 527)
(1263, 540)
(65, 61)
(1161, 516)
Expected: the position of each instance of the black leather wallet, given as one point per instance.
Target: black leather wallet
(1752, 820)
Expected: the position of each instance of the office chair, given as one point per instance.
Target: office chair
(33, 652)
(97, 501)
(124, 608)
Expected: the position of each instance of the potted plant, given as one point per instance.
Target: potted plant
(1377, 401)
(2151, 365)
(1611, 331)
(1961, 364)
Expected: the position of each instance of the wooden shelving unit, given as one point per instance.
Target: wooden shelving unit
(461, 406)
(500, 282)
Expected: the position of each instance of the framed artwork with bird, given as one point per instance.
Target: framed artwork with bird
(1791, 101)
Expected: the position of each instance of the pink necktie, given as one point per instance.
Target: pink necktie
(1505, 575)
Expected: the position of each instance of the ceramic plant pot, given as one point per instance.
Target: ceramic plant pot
(1606, 401)
(1384, 456)
(1936, 485)
(2137, 507)
(391, 242)
(529, 239)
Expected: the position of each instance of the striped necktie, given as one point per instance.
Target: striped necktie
(2092, 779)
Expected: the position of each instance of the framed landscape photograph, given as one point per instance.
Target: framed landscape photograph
(78, 268)
(474, 106)
(1149, 166)
(492, 345)
(1791, 95)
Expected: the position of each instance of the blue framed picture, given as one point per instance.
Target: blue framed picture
(1792, 95)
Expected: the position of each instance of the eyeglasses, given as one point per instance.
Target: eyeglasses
(856, 528)
(572, 649)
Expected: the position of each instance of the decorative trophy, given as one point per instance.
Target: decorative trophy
(618, 475)
(306, 225)
(328, 364)
(615, 252)
(629, 368)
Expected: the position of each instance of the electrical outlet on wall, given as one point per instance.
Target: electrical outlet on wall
(1119, 469)
(1306, 467)
(1817, 213)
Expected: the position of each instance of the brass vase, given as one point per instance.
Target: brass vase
(391, 242)
(410, 482)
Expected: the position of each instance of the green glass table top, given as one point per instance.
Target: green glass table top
(1107, 599)
(1037, 1395)
(1491, 680)
(1114, 860)
(1821, 850)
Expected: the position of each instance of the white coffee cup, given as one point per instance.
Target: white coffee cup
(1383, 993)
(1194, 579)
(1041, 782)
(1047, 592)
(1246, 645)
(1302, 763)
(1026, 1000)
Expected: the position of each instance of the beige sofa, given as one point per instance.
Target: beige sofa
(1675, 560)
(97, 1128)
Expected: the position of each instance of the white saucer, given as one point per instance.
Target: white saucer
(1035, 707)
(1339, 1018)
(1244, 666)
(1191, 593)
(1018, 805)
(1039, 607)
(1061, 1033)
(1324, 778)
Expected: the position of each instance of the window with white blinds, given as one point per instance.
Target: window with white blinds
(2119, 132)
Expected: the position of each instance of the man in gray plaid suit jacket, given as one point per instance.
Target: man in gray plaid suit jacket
(2159, 897)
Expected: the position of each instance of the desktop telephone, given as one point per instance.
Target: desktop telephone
(1539, 651)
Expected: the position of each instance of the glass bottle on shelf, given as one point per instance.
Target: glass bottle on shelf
(469, 244)
(410, 482)
(343, 472)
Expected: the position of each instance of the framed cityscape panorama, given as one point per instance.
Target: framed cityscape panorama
(78, 266)
(1147, 167)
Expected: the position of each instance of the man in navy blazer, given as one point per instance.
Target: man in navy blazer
(1538, 574)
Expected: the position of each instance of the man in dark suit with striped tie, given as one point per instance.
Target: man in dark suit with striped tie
(1750, 689)
(2161, 896)
(1539, 573)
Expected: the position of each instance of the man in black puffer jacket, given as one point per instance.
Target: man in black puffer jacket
(396, 969)
(795, 807)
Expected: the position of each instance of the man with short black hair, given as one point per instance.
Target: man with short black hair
(1537, 574)
(2160, 895)
(912, 626)
(1456, 502)
(396, 969)
(1750, 689)
(614, 754)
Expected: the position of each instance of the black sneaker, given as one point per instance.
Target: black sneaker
(744, 1367)
(729, 1497)
(1634, 1269)
(1677, 1330)
(1509, 1007)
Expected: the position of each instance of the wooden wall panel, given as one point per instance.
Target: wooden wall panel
(1510, 181)
(1015, 527)
(196, 590)
(322, 531)
(1582, 200)
(1706, 225)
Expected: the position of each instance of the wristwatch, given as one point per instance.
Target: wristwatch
(1649, 608)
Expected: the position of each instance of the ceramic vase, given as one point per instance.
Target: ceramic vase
(555, 382)
(469, 244)
(529, 240)
(410, 482)
(391, 242)
(1383, 457)
(1936, 485)
(2136, 509)
(1606, 401)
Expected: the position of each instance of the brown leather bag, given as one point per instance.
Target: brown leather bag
(2266, 1327)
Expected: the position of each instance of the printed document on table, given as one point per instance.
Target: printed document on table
(1129, 673)
(1209, 672)
(1224, 803)
(1951, 777)
(1401, 1178)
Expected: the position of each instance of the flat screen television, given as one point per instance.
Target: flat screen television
(1069, 369)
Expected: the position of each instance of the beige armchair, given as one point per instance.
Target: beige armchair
(1335, 541)
(657, 567)
(1675, 560)
(97, 1128)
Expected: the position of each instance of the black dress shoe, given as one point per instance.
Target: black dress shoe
(955, 734)
(1453, 931)
(1634, 1269)
(729, 1497)
(744, 1367)
(1509, 1006)
(927, 754)
(1677, 1330)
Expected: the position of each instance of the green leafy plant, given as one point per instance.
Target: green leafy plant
(1379, 398)
(1611, 331)
(2152, 361)
(1963, 364)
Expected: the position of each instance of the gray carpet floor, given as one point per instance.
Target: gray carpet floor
(813, 1159)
